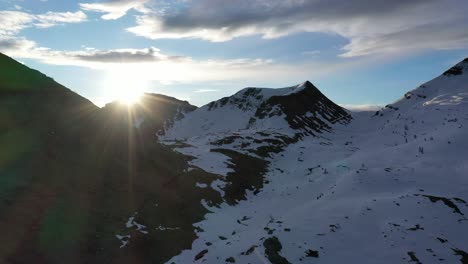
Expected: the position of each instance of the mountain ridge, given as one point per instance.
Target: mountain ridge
(281, 109)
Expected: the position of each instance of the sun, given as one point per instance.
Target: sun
(124, 87)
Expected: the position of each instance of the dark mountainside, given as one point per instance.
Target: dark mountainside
(71, 175)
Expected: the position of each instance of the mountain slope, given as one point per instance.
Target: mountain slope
(389, 187)
(79, 183)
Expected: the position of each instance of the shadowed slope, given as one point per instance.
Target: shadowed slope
(71, 176)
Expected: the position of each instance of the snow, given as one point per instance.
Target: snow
(131, 223)
(123, 239)
(386, 187)
(201, 185)
(162, 228)
(200, 149)
(269, 92)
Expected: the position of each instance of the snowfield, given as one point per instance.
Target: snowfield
(386, 187)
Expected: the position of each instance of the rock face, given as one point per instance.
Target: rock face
(301, 109)
(459, 69)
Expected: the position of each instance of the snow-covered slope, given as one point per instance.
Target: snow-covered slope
(298, 109)
(387, 187)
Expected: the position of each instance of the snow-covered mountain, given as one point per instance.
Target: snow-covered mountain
(383, 187)
(300, 109)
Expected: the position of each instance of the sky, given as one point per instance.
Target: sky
(359, 53)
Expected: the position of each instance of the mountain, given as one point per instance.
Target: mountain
(79, 183)
(300, 109)
(383, 187)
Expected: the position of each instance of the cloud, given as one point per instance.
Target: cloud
(205, 90)
(372, 26)
(15, 46)
(361, 107)
(89, 57)
(14, 21)
(151, 63)
(122, 56)
(50, 19)
(425, 37)
(115, 9)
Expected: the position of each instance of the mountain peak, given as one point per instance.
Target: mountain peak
(264, 94)
(302, 86)
(306, 84)
(300, 110)
(304, 108)
(459, 69)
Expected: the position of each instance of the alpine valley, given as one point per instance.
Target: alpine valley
(263, 176)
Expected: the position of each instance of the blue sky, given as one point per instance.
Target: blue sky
(357, 52)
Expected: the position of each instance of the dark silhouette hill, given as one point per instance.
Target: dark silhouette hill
(72, 174)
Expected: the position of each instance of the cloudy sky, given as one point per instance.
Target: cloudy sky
(358, 52)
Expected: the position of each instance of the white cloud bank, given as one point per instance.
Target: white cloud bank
(152, 64)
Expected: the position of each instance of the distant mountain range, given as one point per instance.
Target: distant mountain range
(263, 176)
